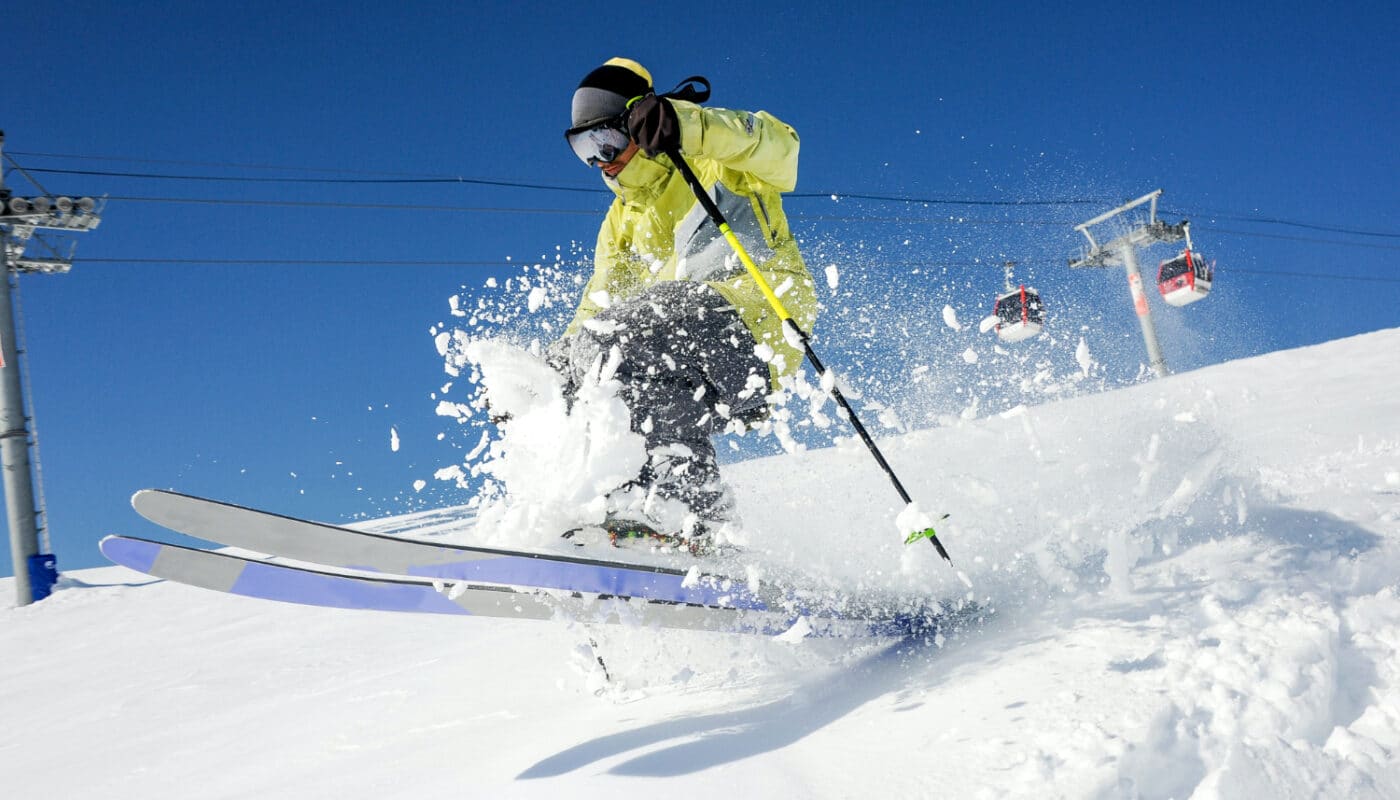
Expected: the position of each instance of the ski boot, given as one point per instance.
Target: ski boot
(624, 533)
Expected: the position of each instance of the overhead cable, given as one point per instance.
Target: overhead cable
(411, 179)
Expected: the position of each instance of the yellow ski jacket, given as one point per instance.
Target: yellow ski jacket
(656, 230)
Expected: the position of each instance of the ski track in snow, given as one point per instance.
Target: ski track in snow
(1196, 591)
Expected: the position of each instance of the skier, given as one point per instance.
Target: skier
(700, 347)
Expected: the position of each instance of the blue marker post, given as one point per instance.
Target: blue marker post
(43, 574)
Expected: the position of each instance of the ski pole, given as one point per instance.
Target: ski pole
(717, 217)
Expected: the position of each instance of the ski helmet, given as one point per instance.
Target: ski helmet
(604, 92)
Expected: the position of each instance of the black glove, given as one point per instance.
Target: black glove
(652, 123)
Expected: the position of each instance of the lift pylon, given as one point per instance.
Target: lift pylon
(20, 219)
(1122, 249)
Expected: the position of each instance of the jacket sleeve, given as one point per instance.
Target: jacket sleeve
(606, 272)
(754, 142)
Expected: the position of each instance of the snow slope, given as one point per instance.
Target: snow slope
(1197, 584)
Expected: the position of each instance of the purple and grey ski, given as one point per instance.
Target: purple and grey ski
(331, 545)
(425, 565)
(293, 584)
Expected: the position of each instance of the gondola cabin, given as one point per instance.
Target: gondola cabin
(1020, 314)
(1184, 279)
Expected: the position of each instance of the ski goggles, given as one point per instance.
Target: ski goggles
(599, 143)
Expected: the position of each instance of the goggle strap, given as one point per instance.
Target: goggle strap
(684, 91)
(690, 94)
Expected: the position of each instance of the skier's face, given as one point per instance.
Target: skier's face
(612, 168)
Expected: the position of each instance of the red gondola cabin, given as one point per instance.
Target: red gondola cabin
(1184, 279)
(1020, 314)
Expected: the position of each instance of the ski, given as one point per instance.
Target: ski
(322, 544)
(251, 577)
(332, 545)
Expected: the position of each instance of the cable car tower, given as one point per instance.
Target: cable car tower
(20, 219)
(1019, 312)
(1123, 250)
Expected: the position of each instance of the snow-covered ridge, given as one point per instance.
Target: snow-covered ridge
(1197, 596)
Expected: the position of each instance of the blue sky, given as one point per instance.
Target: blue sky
(276, 382)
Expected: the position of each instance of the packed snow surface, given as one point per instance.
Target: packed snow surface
(1195, 591)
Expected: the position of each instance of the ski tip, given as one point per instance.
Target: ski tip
(115, 540)
(126, 552)
(137, 496)
(149, 498)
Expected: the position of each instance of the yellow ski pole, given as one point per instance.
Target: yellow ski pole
(717, 217)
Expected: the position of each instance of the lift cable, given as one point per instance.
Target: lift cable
(593, 212)
(400, 179)
(929, 265)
